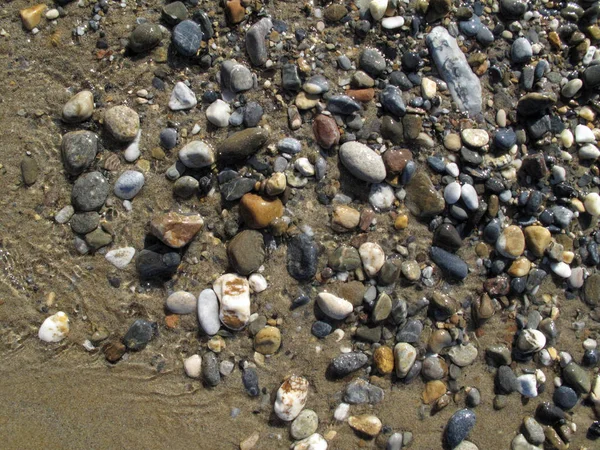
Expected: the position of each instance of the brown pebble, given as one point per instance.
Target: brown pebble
(258, 211)
(235, 11)
(113, 351)
(384, 359)
(344, 218)
(395, 160)
(176, 230)
(433, 391)
(29, 170)
(268, 340)
(538, 239)
(32, 16)
(326, 131)
(482, 250)
(361, 95)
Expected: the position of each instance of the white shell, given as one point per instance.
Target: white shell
(372, 257)
(55, 328)
(291, 397)
(333, 306)
(208, 312)
(120, 257)
(233, 292)
(193, 366)
(313, 442)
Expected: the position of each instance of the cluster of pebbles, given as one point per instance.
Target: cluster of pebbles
(474, 122)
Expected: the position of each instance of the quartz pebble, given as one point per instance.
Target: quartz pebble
(120, 257)
(192, 366)
(79, 108)
(291, 398)
(182, 98)
(55, 328)
(208, 312)
(233, 292)
(334, 306)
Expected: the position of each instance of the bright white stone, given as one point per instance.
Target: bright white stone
(218, 113)
(428, 88)
(304, 166)
(469, 196)
(129, 184)
(475, 137)
(79, 107)
(595, 392)
(378, 8)
(208, 312)
(583, 135)
(333, 306)
(52, 14)
(313, 442)
(182, 98)
(526, 385)
(404, 358)
(452, 169)
(590, 344)
(257, 282)
(592, 204)
(132, 152)
(452, 193)
(559, 174)
(55, 328)
(291, 398)
(589, 151)
(381, 196)
(233, 292)
(120, 257)
(372, 257)
(196, 155)
(226, 367)
(391, 23)
(342, 412)
(531, 341)
(193, 366)
(561, 269)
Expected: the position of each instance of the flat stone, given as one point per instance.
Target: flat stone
(144, 37)
(422, 200)
(182, 302)
(176, 230)
(255, 41)
(122, 122)
(246, 252)
(241, 145)
(362, 162)
(258, 212)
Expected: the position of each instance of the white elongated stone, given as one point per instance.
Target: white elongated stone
(583, 135)
(595, 392)
(577, 277)
(218, 113)
(197, 155)
(452, 193)
(182, 302)
(391, 23)
(129, 184)
(120, 257)
(469, 196)
(592, 204)
(291, 397)
(208, 312)
(182, 98)
(377, 8)
(455, 70)
(233, 292)
(342, 412)
(362, 162)
(405, 356)
(589, 151)
(257, 282)
(428, 88)
(55, 328)
(561, 269)
(313, 442)
(372, 257)
(193, 366)
(333, 306)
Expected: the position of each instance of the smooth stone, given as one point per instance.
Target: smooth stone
(372, 257)
(304, 425)
(571, 88)
(289, 145)
(258, 212)
(187, 36)
(250, 381)
(210, 369)
(392, 102)
(236, 77)
(122, 122)
(333, 306)
(521, 51)
(150, 264)
(527, 385)
(565, 398)
(592, 204)
(90, 191)
(193, 366)
(233, 292)
(182, 98)
(533, 431)
(129, 184)
(422, 199)
(347, 363)
(186, 187)
(302, 257)
(241, 145)
(257, 283)
(537, 239)
(268, 340)
(534, 103)
(459, 426)
(475, 138)
(85, 222)
(176, 230)
(174, 13)
(181, 302)
(449, 263)
(360, 391)
(588, 152)
(447, 237)
(139, 334)
(366, 424)
(410, 332)
(405, 356)
(362, 162)
(372, 62)
(317, 84)
(511, 242)
(168, 138)
(120, 257)
(246, 252)
(98, 239)
(531, 341)
(145, 37)
(253, 113)
(54, 328)
(208, 312)
(32, 16)
(452, 193)
(132, 152)
(505, 138)
(321, 329)
(291, 398)
(506, 380)
(392, 23)
(255, 41)
(196, 155)
(326, 131)
(79, 108)
(78, 149)
(64, 214)
(463, 355)
(342, 104)
(313, 442)
(584, 135)
(469, 196)
(520, 443)
(29, 170)
(577, 377)
(218, 113)
(290, 79)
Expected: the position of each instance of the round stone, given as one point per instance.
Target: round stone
(362, 162)
(521, 51)
(89, 192)
(129, 184)
(145, 37)
(246, 252)
(565, 398)
(79, 149)
(592, 204)
(79, 107)
(511, 242)
(187, 37)
(196, 155)
(474, 137)
(186, 187)
(305, 424)
(182, 302)
(218, 113)
(372, 62)
(83, 223)
(122, 122)
(268, 340)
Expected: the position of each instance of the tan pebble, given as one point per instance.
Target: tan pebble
(384, 359)
(268, 340)
(511, 242)
(344, 218)
(276, 184)
(433, 391)
(330, 435)
(482, 250)
(568, 257)
(520, 267)
(216, 344)
(452, 142)
(538, 239)
(401, 222)
(250, 441)
(366, 423)
(258, 212)
(32, 16)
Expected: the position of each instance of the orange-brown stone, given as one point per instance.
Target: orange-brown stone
(362, 95)
(176, 230)
(326, 131)
(258, 211)
(235, 11)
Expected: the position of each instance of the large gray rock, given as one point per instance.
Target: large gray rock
(454, 69)
(255, 41)
(362, 162)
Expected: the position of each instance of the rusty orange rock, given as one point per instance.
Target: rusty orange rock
(362, 95)
(176, 230)
(259, 212)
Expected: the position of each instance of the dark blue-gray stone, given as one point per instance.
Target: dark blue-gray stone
(347, 363)
(205, 25)
(236, 188)
(449, 263)
(591, 77)
(410, 332)
(535, 278)
(302, 257)
(505, 138)
(459, 426)
(398, 78)
(342, 104)
(549, 414)
(470, 27)
(187, 37)
(237, 118)
(89, 192)
(210, 369)
(391, 100)
(361, 391)
(321, 329)
(250, 381)
(541, 68)
(139, 334)
(565, 398)
(372, 62)
(506, 381)
(253, 112)
(492, 231)
(521, 51)
(290, 79)
(484, 36)
(151, 264)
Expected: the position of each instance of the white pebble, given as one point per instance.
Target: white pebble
(589, 151)
(304, 166)
(226, 367)
(120, 257)
(55, 328)
(333, 306)
(391, 23)
(208, 312)
(561, 269)
(566, 138)
(233, 292)
(182, 98)
(452, 193)
(372, 257)
(52, 14)
(291, 398)
(378, 8)
(452, 169)
(559, 174)
(381, 196)
(342, 412)
(469, 196)
(583, 135)
(218, 113)
(590, 344)
(526, 385)
(193, 366)
(132, 152)
(65, 214)
(592, 204)
(257, 283)
(313, 442)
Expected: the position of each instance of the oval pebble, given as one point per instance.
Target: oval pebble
(208, 312)
(129, 184)
(181, 302)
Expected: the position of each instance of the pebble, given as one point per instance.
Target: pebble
(144, 37)
(192, 366)
(452, 193)
(584, 135)
(333, 306)
(302, 257)
(185, 187)
(592, 204)
(29, 170)
(79, 108)
(313, 442)
(140, 333)
(422, 199)
(459, 426)
(246, 252)
(565, 398)
(196, 155)
(132, 152)
(236, 77)
(321, 329)
(78, 149)
(258, 211)
(527, 386)
(449, 263)
(182, 302)
(182, 98)
(129, 184)
(90, 191)
(304, 425)
(64, 215)
(122, 122)
(218, 113)
(469, 196)
(347, 363)
(291, 398)
(366, 424)
(326, 131)
(268, 340)
(372, 62)
(32, 16)
(210, 369)
(208, 312)
(255, 41)
(186, 38)
(176, 230)
(233, 292)
(54, 328)
(241, 145)
(463, 355)
(150, 264)
(83, 223)
(475, 138)
(392, 23)
(372, 257)
(404, 355)
(511, 242)
(531, 341)
(120, 257)
(521, 51)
